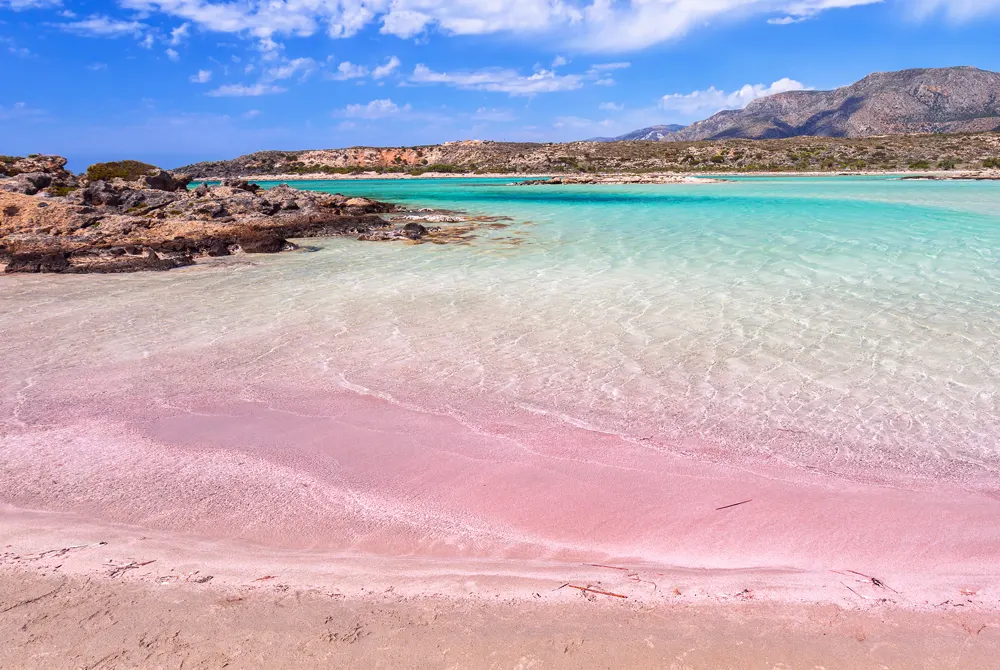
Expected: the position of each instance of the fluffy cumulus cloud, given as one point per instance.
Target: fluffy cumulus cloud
(713, 100)
(376, 109)
(499, 80)
(287, 69)
(202, 77)
(386, 69)
(348, 70)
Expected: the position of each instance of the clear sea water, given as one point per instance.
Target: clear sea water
(845, 322)
(849, 324)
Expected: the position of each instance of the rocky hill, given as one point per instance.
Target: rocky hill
(944, 100)
(820, 154)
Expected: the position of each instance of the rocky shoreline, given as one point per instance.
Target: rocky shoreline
(54, 221)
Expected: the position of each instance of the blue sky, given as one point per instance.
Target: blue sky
(173, 81)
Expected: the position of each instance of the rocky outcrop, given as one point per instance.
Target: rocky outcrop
(33, 174)
(156, 223)
(11, 166)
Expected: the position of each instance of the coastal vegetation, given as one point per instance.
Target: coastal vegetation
(128, 170)
(971, 151)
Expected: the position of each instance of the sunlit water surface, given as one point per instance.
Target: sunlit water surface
(849, 323)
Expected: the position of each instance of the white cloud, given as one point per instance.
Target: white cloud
(179, 34)
(147, 41)
(404, 23)
(611, 107)
(172, 55)
(97, 67)
(348, 70)
(242, 91)
(713, 100)
(608, 67)
(787, 20)
(289, 69)
(500, 80)
(376, 109)
(386, 69)
(102, 26)
(251, 114)
(559, 61)
(202, 77)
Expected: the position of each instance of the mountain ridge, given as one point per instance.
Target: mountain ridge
(960, 99)
(654, 133)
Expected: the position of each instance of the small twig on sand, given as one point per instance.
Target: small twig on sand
(56, 553)
(120, 570)
(853, 591)
(32, 600)
(875, 580)
(733, 505)
(264, 578)
(609, 567)
(587, 589)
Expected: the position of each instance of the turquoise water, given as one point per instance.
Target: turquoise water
(831, 321)
(847, 324)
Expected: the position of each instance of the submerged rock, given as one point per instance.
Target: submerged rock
(414, 231)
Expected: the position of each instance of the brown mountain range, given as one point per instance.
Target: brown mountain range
(942, 100)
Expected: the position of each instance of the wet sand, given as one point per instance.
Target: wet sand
(188, 535)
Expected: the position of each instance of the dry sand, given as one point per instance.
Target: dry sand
(55, 621)
(79, 595)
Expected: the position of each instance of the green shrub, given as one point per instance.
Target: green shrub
(718, 158)
(61, 191)
(991, 163)
(947, 164)
(920, 165)
(127, 170)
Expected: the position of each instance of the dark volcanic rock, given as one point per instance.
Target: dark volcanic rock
(28, 183)
(164, 181)
(241, 185)
(97, 194)
(414, 231)
(260, 242)
(37, 262)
